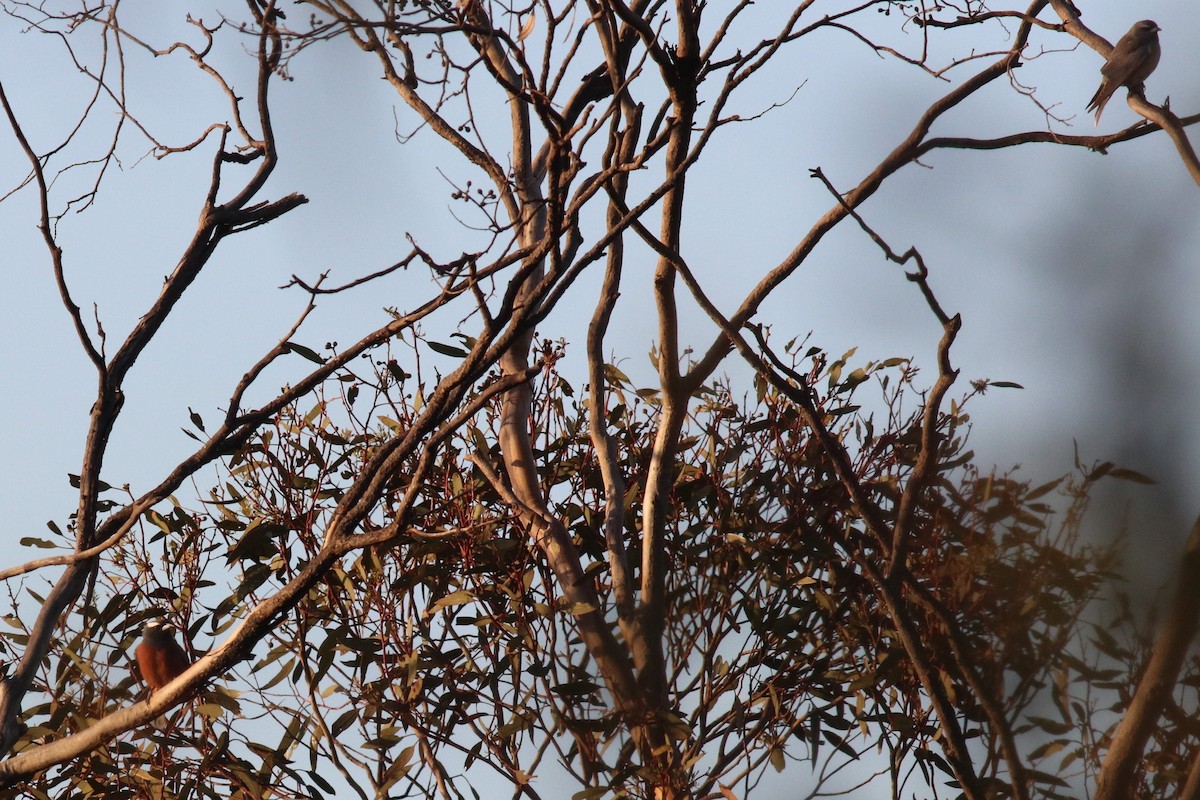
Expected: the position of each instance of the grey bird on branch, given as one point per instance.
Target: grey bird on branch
(1129, 64)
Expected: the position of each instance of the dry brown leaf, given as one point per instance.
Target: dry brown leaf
(527, 28)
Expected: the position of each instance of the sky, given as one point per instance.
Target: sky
(1075, 272)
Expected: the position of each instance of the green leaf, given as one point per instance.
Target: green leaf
(317, 779)
(393, 424)
(342, 723)
(447, 350)
(1052, 726)
(1130, 475)
(459, 598)
(835, 373)
(30, 541)
(301, 350)
(615, 375)
(1047, 749)
(579, 609)
(101, 486)
(257, 543)
(840, 744)
(856, 377)
(942, 764)
(396, 371)
(1044, 489)
(591, 794)
(210, 710)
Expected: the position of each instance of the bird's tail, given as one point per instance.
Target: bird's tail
(1099, 100)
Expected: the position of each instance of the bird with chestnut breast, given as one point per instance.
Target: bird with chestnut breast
(159, 657)
(1131, 61)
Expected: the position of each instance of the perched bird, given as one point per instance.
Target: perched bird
(159, 657)
(1129, 64)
